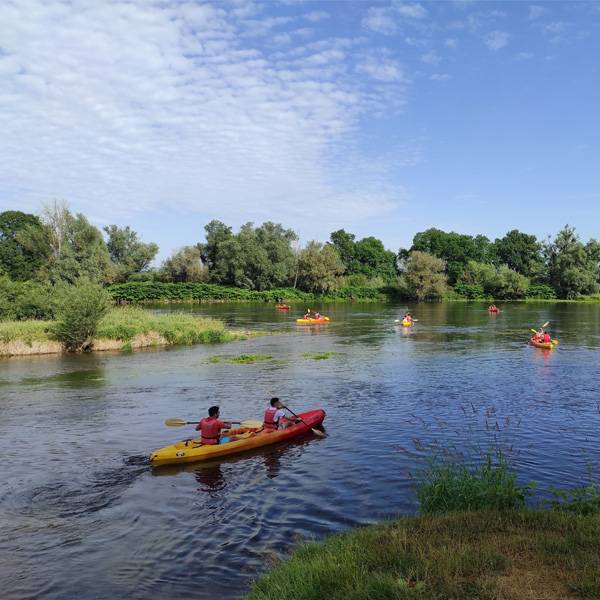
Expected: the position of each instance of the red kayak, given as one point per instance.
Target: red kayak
(282, 307)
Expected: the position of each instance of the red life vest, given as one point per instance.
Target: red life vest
(270, 424)
(210, 429)
(547, 338)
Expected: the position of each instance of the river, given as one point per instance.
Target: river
(83, 515)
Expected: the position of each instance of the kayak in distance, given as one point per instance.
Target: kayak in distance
(407, 323)
(282, 307)
(544, 345)
(192, 450)
(312, 321)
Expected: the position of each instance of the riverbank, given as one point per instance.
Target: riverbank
(500, 555)
(123, 329)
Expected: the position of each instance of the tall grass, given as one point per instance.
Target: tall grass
(25, 331)
(453, 486)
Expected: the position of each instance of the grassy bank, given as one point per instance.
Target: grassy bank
(121, 329)
(488, 555)
(475, 540)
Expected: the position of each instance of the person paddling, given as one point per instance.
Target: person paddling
(210, 428)
(307, 314)
(547, 338)
(274, 416)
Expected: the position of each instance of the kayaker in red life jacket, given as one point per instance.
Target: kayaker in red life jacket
(273, 416)
(547, 338)
(538, 336)
(210, 428)
(308, 315)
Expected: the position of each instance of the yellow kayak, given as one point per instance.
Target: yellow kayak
(193, 451)
(312, 321)
(406, 323)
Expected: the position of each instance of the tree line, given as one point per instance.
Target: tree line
(58, 247)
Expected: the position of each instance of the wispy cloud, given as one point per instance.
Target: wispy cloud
(495, 40)
(413, 11)
(535, 12)
(430, 58)
(380, 20)
(139, 106)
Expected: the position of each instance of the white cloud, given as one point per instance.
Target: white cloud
(413, 11)
(535, 12)
(496, 40)
(451, 43)
(554, 28)
(135, 107)
(381, 70)
(380, 20)
(430, 58)
(317, 15)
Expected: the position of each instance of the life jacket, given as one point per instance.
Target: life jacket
(547, 338)
(270, 424)
(210, 430)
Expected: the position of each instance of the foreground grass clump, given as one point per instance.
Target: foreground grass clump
(486, 555)
(177, 328)
(245, 359)
(455, 486)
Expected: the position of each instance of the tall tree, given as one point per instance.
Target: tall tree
(423, 277)
(17, 261)
(455, 249)
(72, 248)
(127, 252)
(184, 265)
(345, 243)
(319, 268)
(573, 268)
(521, 252)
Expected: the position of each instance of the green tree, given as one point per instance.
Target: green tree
(367, 257)
(455, 249)
(17, 261)
(572, 267)
(521, 252)
(79, 309)
(71, 247)
(423, 277)
(319, 268)
(184, 265)
(499, 282)
(217, 233)
(127, 252)
(258, 258)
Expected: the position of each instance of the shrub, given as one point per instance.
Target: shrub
(455, 486)
(79, 309)
(25, 300)
(541, 291)
(469, 290)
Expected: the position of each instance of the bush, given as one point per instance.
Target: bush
(541, 291)
(470, 291)
(79, 309)
(455, 486)
(25, 300)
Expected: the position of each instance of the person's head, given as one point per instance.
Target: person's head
(213, 411)
(275, 403)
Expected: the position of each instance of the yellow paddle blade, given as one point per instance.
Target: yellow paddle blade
(251, 424)
(175, 422)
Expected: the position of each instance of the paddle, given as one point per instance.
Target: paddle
(248, 424)
(400, 320)
(315, 431)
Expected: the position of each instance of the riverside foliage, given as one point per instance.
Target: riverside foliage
(59, 247)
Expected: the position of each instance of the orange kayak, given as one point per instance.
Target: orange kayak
(282, 307)
(312, 321)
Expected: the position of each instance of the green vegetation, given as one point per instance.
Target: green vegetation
(475, 539)
(266, 262)
(454, 486)
(320, 355)
(79, 309)
(25, 331)
(246, 359)
(485, 555)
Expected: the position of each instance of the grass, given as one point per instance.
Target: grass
(245, 359)
(177, 328)
(124, 324)
(453, 486)
(26, 331)
(320, 355)
(485, 555)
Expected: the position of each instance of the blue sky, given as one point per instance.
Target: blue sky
(384, 118)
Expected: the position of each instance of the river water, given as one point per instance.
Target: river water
(83, 515)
